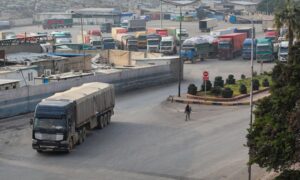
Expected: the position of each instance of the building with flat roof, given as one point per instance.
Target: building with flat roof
(89, 16)
(23, 74)
(50, 63)
(7, 84)
(60, 77)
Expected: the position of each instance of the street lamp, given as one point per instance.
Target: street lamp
(180, 4)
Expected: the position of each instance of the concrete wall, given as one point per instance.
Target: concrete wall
(33, 48)
(24, 99)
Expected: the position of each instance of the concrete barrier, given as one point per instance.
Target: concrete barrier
(24, 99)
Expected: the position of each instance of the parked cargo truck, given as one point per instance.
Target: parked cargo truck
(167, 45)
(134, 25)
(158, 31)
(207, 25)
(153, 42)
(247, 48)
(175, 32)
(264, 50)
(57, 23)
(231, 45)
(247, 30)
(283, 51)
(196, 47)
(141, 39)
(62, 120)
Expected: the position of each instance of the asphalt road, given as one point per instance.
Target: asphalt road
(148, 139)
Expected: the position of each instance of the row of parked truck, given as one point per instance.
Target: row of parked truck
(164, 40)
(234, 42)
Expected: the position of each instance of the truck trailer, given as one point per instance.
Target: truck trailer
(231, 45)
(61, 121)
(57, 23)
(207, 25)
(134, 25)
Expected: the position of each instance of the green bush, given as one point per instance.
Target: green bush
(216, 91)
(227, 93)
(208, 86)
(254, 73)
(289, 175)
(266, 83)
(243, 89)
(243, 76)
(256, 84)
(192, 89)
(219, 81)
(230, 79)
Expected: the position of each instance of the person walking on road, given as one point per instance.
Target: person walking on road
(188, 111)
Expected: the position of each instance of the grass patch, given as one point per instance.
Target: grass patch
(247, 82)
(236, 87)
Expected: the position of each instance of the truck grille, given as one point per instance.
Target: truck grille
(49, 137)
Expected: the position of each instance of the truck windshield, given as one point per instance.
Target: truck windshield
(183, 35)
(124, 24)
(284, 49)
(132, 42)
(247, 47)
(263, 48)
(224, 45)
(166, 43)
(142, 38)
(45, 123)
(153, 42)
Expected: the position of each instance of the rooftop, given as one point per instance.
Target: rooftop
(8, 81)
(21, 58)
(244, 3)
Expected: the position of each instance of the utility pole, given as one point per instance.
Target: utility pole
(180, 58)
(161, 21)
(251, 95)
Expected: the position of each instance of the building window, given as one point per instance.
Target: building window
(6, 88)
(30, 76)
(14, 86)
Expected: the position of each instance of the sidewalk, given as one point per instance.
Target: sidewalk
(243, 101)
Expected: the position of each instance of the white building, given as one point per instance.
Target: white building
(24, 74)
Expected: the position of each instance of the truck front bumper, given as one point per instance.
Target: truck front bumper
(50, 145)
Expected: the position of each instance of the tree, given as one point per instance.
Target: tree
(269, 6)
(289, 17)
(274, 139)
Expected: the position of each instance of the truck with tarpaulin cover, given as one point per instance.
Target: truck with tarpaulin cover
(62, 120)
(195, 47)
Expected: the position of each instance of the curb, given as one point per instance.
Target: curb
(214, 103)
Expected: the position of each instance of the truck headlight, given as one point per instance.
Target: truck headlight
(59, 137)
(38, 136)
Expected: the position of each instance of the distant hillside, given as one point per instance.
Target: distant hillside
(270, 5)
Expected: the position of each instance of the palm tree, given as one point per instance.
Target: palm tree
(289, 16)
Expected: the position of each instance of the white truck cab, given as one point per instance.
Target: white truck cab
(283, 51)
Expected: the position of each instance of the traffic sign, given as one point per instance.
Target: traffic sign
(205, 78)
(205, 74)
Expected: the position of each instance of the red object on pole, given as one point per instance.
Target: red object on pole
(205, 74)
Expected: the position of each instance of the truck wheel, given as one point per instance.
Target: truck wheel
(105, 120)
(83, 134)
(100, 122)
(39, 151)
(80, 139)
(108, 118)
(70, 147)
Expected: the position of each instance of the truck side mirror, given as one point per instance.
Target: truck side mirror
(31, 121)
